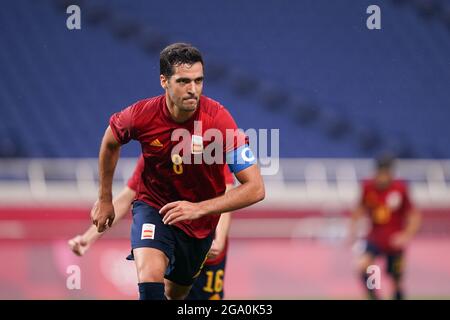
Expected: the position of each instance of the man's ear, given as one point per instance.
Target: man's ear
(164, 81)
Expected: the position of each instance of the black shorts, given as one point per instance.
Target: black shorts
(186, 254)
(209, 284)
(394, 260)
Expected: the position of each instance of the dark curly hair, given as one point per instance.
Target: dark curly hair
(176, 54)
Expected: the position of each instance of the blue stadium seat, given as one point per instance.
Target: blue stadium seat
(334, 88)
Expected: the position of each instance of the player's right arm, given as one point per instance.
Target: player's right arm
(250, 191)
(356, 214)
(122, 202)
(108, 157)
(122, 128)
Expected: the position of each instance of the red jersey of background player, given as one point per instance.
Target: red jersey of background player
(165, 178)
(388, 209)
(133, 183)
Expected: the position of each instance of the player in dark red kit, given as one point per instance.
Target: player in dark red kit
(393, 223)
(209, 283)
(179, 199)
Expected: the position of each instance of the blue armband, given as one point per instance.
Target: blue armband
(240, 158)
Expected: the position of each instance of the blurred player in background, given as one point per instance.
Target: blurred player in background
(393, 222)
(209, 284)
(179, 200)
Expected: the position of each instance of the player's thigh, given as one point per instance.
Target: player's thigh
(395, 265)
(152, 242)
(189, 257)
(175, 291)
(365, 260)
(151, 264)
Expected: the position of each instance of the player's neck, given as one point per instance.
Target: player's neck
(177, 115)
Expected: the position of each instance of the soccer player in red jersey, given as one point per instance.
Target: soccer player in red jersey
(179, 198)
(393, 222)
(209, 284)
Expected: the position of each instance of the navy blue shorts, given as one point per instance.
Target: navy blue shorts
(186, 254)
(209, 284)
(394, 261)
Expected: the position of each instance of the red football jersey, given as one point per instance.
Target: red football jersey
(133, 183)
(166, 178)
(387, 209)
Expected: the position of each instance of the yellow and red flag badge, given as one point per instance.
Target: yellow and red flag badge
(148, 231)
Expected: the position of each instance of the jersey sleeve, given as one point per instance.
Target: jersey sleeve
(133, 182)
(122, 124)
(237, 152)
(233, 137)
(228, 175)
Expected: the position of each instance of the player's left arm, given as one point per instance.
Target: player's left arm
(249, 192)
(412, 225)
(413, 222)
(222, 230)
